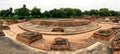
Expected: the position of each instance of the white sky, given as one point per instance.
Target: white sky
(51, 4)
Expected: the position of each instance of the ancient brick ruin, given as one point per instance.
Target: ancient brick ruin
(57, 30)
(116, 28)
(28, 37)
(2, 33)
(105, 34)
(11, 21)
(4, 27)
(115, 44)
(60, 44)
(62, 23)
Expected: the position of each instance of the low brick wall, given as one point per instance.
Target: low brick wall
(28, 40)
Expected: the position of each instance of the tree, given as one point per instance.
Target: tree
(22, 12)
(46, 14)
(93, 12)
(35, 12)
(17, 11)
(113, 13)
(78, 12)
(3, 13)
(86, 12)
(10, 11)
(104, 12)
(6, 13)
(63, 13)
(54, 13)
(118, 13)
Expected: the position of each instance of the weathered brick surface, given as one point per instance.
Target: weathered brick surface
(11, 21)
(4, 28)
(60, 44)
(28, 37)
(57, 30)
(2, 33)
(106, 34)
(63, 23)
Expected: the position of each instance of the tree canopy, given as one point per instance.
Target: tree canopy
(35, 12)
(24, 12)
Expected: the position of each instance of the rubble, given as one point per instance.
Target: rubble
(116, 44)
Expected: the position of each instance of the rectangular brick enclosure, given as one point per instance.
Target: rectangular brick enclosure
(28, 38)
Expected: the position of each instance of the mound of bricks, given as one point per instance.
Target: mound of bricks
(116, 44)
(29, 37)
(116, 28)
(2, 33)
(104, 34)
(57, 30)
(60, 44)
(4, 27)
(11, 21)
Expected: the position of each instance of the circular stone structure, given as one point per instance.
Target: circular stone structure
(67, 26)
(81, 34)
(61, 22)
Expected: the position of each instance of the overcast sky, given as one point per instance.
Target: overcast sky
(51, 4)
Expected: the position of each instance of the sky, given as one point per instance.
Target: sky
(51, 4)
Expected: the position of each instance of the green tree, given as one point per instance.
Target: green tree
(46, 14)
(93, 12)
(22, 12)
(113, 13)
(54, 13)
(3, 13)
(10, 11)
(63, 13)
(104, 12)
(78, 12)
(86, 12)
(35, 12)
(17, 11)
(6, 13)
